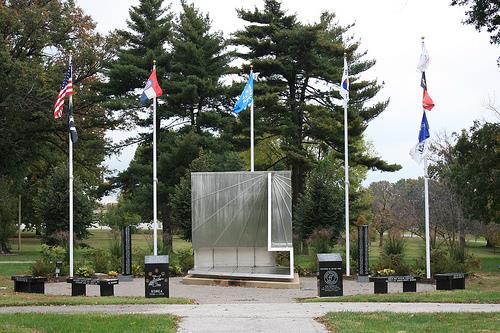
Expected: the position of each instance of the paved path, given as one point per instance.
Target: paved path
(265, 317)
(224, 295)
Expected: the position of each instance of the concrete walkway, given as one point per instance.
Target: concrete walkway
(265, 317)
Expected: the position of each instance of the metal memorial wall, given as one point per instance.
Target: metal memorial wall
(239, 221)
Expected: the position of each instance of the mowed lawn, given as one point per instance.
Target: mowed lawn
(88, 323)
(375, 322)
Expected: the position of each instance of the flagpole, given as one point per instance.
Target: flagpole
(251, 127)
(427, 233)
(70, 184)
(346, 186)
(155, 179)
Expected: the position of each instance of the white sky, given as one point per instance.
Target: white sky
(462, 76)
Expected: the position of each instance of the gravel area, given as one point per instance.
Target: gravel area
(231, 295)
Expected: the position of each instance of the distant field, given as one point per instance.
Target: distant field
(30, 251)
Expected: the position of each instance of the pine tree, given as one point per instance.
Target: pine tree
(199, 61)
(299, 65)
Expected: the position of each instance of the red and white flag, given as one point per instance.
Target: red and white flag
(66, 90)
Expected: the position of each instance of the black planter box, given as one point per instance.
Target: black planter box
(450, 281)
(156, 276)
(29, 284)
(79, 285)
(330, 275)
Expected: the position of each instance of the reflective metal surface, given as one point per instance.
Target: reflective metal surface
(229, 209)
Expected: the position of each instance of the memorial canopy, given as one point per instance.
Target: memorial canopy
(237, 215)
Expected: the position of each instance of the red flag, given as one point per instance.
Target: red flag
(66, 90)
(427, 102)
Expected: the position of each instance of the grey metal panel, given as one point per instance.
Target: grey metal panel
(229, 209)
(156, 259)
(329, 257)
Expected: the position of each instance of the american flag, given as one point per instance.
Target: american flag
(66, 90)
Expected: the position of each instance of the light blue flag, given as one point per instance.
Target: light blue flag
(246, 97)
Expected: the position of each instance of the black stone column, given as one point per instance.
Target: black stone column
(126, 252)
(156, 276)
(363, 253)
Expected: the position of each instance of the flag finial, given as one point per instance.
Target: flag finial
(154, 61)
(251, 67)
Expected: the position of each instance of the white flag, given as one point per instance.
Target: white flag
(344, 84)
(423, 63)
(420, 151)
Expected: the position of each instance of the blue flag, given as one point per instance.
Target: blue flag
(424, 129)
(246, 97)
(420, 150)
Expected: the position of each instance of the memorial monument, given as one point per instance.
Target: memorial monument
(240, 220)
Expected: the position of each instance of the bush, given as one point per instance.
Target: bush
(100, 259)
(181, 261)
(454, 260)
(321, 240)
(394, 246)
(394, 262)
(46, 265)
(43, 268)
(137, 270)
(85, 271)
(53, 253)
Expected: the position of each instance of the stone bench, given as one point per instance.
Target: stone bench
(79, 285)
(29, 284)
(450, 281)
(380, 283)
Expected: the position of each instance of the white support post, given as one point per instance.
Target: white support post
(427, 232)
(269, 210)
(346, 185)
(70, 187)
(155, 179)
(251, 128)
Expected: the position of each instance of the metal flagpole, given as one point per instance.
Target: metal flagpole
(155, 179)
(70, 185)
(251, 126)
(427, 233)
(346, 185)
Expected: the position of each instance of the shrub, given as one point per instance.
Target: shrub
(100, 260)
(43, 268)
(53, 253)
(85, 271)
(394, 246)
(137, 270)
(394, 262)
(321, 240)
(113, 274)
(181, 261)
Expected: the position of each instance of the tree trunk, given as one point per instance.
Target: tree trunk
(381, 239)
(4, 248)
(166, 213)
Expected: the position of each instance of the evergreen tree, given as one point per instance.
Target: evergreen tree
(146, 40)
(199, 62)
(56, 216)
(194, 107)
(295, 63)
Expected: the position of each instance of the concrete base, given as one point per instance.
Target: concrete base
(207, 281)
(125, 278)
(363, 278)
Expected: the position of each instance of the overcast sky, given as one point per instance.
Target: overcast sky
(462, 76)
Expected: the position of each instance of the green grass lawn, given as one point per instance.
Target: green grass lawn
(444, 296)
(23, 299)
(355, 322)
(88, 323)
